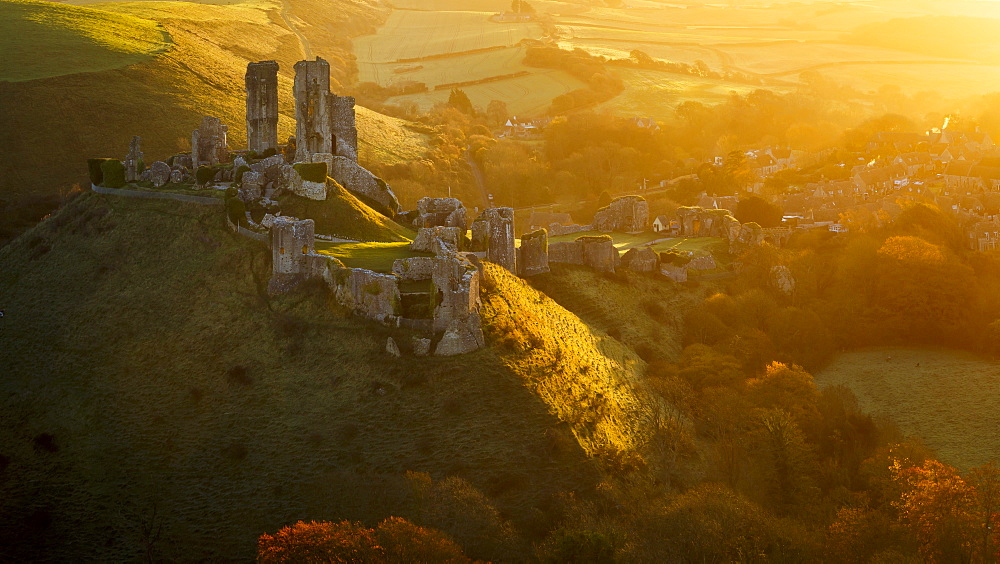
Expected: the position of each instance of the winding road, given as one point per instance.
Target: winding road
(303, 42)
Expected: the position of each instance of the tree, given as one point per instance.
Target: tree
(497, 113)
(317, 542)
(393, 540)
(459, 100)
(759, 210)
(578, 547)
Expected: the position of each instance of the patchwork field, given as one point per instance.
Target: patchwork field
(950, 399)
(773, 42)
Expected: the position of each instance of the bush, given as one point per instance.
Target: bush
(269, 152)
(313, 172)
(205, 174)
(94, 166)
(238, 175)
(236, 210)
(113, 173)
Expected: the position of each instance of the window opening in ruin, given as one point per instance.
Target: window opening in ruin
(281, 251)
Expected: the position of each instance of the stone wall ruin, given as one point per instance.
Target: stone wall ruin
(262, 106)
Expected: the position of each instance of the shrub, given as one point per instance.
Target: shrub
(236, 210)
(313, 172)
(96, 175)
(113, 173)
(251, 156)
(205, 174)
(238, 175)
(269, 152)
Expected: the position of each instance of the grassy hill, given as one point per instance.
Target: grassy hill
(149, 379)
(44, 39)
(63, 120)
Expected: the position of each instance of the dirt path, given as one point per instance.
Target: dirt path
(303, 42)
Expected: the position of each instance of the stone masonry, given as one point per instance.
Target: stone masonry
(313, 132)
(133, 160)
(493, 234)
(293, 255)
(262, 106)
(208, 143)
(344, 126)
(533, 254)
(629, 214)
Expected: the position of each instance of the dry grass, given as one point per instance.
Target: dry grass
(588, 379)
(947, 398)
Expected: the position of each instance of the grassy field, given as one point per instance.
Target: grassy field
(524, 95)
(413, 34)
(657, 93)
(372, 256)
(44, 39)
(138, 335)
(947, 398)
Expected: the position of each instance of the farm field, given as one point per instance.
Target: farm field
(411, 34)
(447, 42)
(529, 94)
(657, 93)
(947, 398)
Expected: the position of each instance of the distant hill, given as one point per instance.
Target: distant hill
(146, 367)
(49, 126)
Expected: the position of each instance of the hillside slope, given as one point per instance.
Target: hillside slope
(44, 39)
(61, 121)
(148, 378)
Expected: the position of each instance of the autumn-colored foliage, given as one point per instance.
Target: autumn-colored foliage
(393, 540)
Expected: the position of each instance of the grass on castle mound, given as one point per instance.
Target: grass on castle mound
(947, 398)
(377, 257)
(645, 311)
(45, 39)
(343, 215)
(150, 379)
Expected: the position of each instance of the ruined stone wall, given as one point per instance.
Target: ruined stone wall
(597, 252)
(629, 214)
(262, 105)
(209, 143)
(446, 212)
(493, 234)
(344, 126)
(293, 254)
(359, 180)
(313, 133)
(533, 254)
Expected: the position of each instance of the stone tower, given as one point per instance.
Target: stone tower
(313, 124)
(344, 126)
(208, 142)
(262, 106)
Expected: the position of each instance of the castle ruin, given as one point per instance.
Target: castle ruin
(262, 106)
